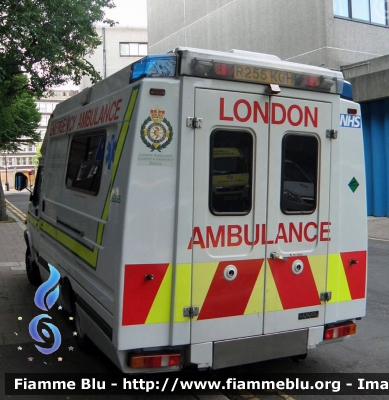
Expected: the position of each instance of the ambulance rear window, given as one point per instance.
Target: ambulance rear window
(299, 174)
(230, 177)
(85, 162)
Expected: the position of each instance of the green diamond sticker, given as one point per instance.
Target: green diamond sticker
(353, 185)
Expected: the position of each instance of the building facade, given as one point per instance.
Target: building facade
(120, 47)
(347, 35)
(318, 32)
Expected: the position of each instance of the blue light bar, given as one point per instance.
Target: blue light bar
(154, 67)
(347, 92)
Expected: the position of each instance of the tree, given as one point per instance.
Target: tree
(19, 115)
(19, 118)
(49, 40)
(38, 155)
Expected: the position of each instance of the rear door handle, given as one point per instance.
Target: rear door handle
(275, 256)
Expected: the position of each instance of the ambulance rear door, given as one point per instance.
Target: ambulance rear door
(260, 231)
(230, 175)
(297, 225)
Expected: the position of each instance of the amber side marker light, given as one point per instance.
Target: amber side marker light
(346, 329)
(138, 361)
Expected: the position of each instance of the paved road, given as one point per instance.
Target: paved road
(19, 199)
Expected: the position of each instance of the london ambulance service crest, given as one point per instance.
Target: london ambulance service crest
(156, 132)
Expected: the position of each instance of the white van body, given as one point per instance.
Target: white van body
(161, 276)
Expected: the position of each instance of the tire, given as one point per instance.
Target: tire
(299, 358)
(32, 269)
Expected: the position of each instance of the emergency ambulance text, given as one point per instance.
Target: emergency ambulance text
(96, 116)
(244, 111)
(236, 235)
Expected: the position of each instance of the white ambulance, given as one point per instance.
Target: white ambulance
(159, 272)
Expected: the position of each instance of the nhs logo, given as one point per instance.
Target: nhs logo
(350, 121)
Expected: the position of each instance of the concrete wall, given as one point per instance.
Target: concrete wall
(303, 31)
(113, 36)
(350, 42)
(267, 26)
(370, 79)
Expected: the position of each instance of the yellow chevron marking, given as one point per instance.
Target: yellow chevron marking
(203, 274)
(319, 271)
(182, 290)
(337, 281)
(160, 310)
(273, 301)
(255, 304)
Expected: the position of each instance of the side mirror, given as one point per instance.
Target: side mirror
(21, 181)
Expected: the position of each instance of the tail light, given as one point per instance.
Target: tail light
(138, 361)
(342, 330)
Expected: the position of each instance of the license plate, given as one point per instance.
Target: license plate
(263, 75)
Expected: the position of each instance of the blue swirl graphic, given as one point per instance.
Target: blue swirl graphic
(33, 329)
(44, 289)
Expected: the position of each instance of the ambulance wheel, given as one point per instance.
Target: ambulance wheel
(83, 342)
(32, 269)
(299, 358)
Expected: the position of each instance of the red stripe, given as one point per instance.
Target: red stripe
(139, 293)
(229, 298)
(355, 273)
(295, 291)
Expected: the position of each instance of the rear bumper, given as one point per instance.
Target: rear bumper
(233, 352)
(229, 353)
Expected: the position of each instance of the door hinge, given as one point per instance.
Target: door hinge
(325, 296)
(194, 122)
(190, 312)
(331, 133)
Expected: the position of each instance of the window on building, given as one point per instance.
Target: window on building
(372, 11)
(132, 49)
(17, 160)
(299, 174)
(10, 161)
(85, 163)
(45, 120)
(341, 8)
(230, 175)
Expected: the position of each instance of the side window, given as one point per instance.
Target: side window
(299, 174)
(85, 162)
(37, 187)
(230, 176)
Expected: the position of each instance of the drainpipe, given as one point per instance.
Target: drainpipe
(104, 56)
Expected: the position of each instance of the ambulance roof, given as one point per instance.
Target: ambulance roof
(259, 59)
(197, 62)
